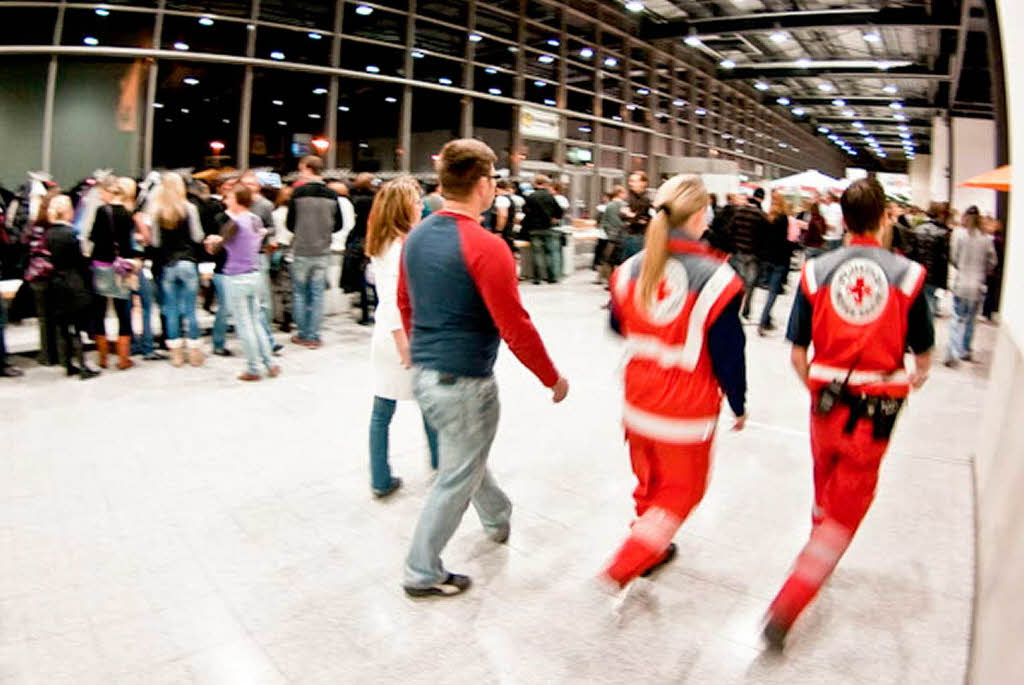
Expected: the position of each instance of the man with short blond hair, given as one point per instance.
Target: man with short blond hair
(459, 298)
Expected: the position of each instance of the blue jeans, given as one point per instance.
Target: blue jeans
(243, 292)
(748, 268)
(464, 411)
(147, 295)
(380, 422)
(776, 275)
(631, 244)
(180, 285)
(961, 331)
(932, 298)
(546, 247)
(220, 319)
(309, 278)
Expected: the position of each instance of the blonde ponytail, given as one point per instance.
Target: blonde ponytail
(676, 201)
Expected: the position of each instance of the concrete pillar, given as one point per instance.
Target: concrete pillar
(940, 160)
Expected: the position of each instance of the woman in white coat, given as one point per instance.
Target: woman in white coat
(396, 209)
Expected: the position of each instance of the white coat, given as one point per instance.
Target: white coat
(391, 380)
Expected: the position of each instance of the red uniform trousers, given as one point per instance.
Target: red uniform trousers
(845, 475)
(672, 479)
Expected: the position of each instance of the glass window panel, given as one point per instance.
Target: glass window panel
(612, 159)
(35, 25)
(437, 38)
(583, 29)
(118, 29)
(497, 83)
(511, 6)
(611, 135)
(613, 43)
(368, 125)
(308, 13)
(388, 27)
(580, 129)
(539, 151)
(611, 109)
(227, 8)
(541, 38)
(430, 69)
(292, 46)
(191, 115)
(580, 102)
(495, 54)
(402, 5)
(541, 93)
(445, 10)
(22, 102)
(288, 110)
(229, 37)
(541, 65)
(496, 24)
(542, 12)
(579, 77)
(370, 58)
(436, 117)
(492, 123)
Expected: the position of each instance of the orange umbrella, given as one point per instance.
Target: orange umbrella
(997, 179)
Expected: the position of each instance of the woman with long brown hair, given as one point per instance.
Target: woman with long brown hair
(776, 250)
(677, 305)
(396, 209)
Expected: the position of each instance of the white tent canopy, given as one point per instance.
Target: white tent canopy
(810, 179)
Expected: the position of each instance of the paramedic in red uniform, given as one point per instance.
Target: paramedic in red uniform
(459, 297)
(862, 307)
(677, 305)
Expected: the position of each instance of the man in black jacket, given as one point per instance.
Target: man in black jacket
(313, 215)
(746, 228)
(928, 245)
(353, 268)
(541, 214)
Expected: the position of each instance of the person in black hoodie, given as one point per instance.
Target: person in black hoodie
(353, 269)
(928, 244)
(775, 253)
(70, 297)
(541, 214)
(747, 226)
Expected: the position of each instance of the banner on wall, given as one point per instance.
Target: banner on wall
(539, 124)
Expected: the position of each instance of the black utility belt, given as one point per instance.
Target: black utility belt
(881, 410)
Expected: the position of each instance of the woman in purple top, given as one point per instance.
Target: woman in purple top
(241, 237)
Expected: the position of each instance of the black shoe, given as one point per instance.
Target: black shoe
(395, 484)
(969, 357)
(285, 328)
(501, 535)
(951, 363)
(10, 372)
(762, 331)
(670, 554)
(224, 352)
(155, 356)
(278, 347)
(365, 322)
(85, 373)
(775, 635)
(72, 370)
(453, 585)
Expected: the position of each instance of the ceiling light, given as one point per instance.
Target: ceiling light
(762, 86)
(727, 64)
(185, 111)
(803, 63)
(635, 6)
(364, 10)
(585, 129)
(277, 54)
(390, 100)
(692, 40)
(319, 91)
(783, 145)
(883, 65)
(494, 91)
(191, 81)
(491, 70)
(849, 113)
(549, 102)
(539, 84)
(726, 136)
(158, 105)
(553, 42)
(872, 36)
(799, 111)
(826, 87)
(205, 21)
(611, 62)
(643, 91)
(701, 112)
(313, 35)
(225, 121)
(616, 117)
(343, 108)
(181, 46)
(102, 11)
(839, 102)
(679, 103)
(475, 38)
(833, 137)
(416, 54)
(895, 105)
(899, 117)
(858, 124)
(372, 69)
(364, 146)
(784, 101)
(904, 128)
(278, 103)
(586, 53)
(444, 81)
(512, 48)
(905, 136)
(314, 116)
(891, 90)
(779, 36)
(631, 107)
(823, 129)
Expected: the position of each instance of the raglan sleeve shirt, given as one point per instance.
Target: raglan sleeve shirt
(493, 270)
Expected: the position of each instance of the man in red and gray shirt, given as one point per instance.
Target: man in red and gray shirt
(459, 297)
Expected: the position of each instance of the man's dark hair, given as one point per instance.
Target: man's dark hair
(758, 193)
(939, 211)
(504, 185)
(863, 206)
(461, 164)
(313, 163)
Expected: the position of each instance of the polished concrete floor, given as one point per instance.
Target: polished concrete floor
(165, 525)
